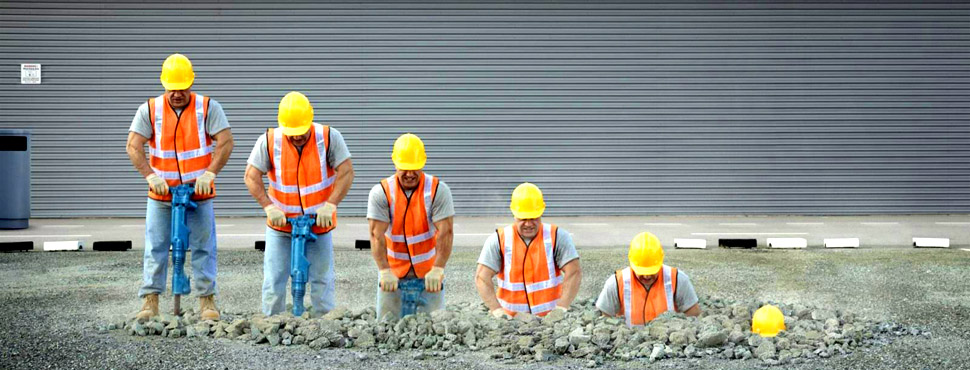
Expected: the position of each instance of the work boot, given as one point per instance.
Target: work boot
(207, 308)
(149, 309)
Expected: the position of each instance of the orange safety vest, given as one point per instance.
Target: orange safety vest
(296, 179)
(640, 305)
(530, 281)
(180, 150)
(411, 237)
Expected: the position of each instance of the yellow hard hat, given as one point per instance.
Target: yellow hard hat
(408, 154)
(527, 202)
(296, 114)
(646, 254)
(177, 73)
(767, 321)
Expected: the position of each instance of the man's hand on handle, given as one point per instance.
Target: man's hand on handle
(387, 280)
(275, 215)
(326, 215)
(157, 184)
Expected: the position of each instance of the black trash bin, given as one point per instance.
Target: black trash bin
(15, 181)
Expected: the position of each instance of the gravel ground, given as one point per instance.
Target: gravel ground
(52, 304)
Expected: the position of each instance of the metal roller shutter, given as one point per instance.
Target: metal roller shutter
(821, 107)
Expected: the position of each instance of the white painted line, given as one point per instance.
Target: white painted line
(841, 243)
(965, 249)
(63, 226)
(690, 243)
(589, 224)
(749, 233)
(229, 225)
(62, 246)
(879, 223)
(662, 224)
(787, 243)
(132, 225)
(354, 225)
(805, 223)
(47, 236)
(739, 224)
(931, 242)
(474, 234)
(954, 223)
(239, 235)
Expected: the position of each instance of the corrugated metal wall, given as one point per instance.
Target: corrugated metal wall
(820, 107)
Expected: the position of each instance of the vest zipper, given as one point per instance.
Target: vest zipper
(299, 160)
(525, 286)
(178, 119)
(404, 227)
(643, 312)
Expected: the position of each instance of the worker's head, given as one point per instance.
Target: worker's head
(646, 257)
(177, 77)
(528, 227)
(409, 158)
(527, 206)
(295, 117)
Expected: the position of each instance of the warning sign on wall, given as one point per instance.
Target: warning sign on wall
(30, 74)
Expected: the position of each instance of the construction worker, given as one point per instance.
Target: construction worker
(189, 141)
(411, 215)
(309, 172)
(647, 288)
(536, 263)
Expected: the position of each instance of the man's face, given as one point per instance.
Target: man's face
(528, 228)
(409, 179)
(299, 140)
(178, 99)
(648, 280)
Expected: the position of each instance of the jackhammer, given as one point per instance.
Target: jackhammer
(299, 264)
(181, 201)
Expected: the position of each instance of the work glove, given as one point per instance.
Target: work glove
(203, 184)
(499, 313)
(157, 184)
(275, 215)
(387, 280)
(326, 215)
(432, 280)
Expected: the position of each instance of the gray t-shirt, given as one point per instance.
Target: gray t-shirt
(215, 120)
(491, 255)
(442, 206)
(337, 153)
(609, 300)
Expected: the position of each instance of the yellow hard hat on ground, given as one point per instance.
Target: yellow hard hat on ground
(177, 72)
(646, 254)
(408, 154)
(527, 202)
(296, 114)
(768, 321)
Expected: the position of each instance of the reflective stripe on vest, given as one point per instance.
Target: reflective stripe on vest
(285, 189)
(505, 283)
(174, 155)
(189, 154)
(410, 252)
(414, 239)
(628, 281)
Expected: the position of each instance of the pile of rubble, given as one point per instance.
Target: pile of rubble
(722, 331)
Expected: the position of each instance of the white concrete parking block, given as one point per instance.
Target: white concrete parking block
(72, 245)
(842, 243)
(931, 242)
(690, 243)
(787, 243)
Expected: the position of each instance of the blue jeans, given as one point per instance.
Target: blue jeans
(389, 303)
(276, 273)
(158, 239)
